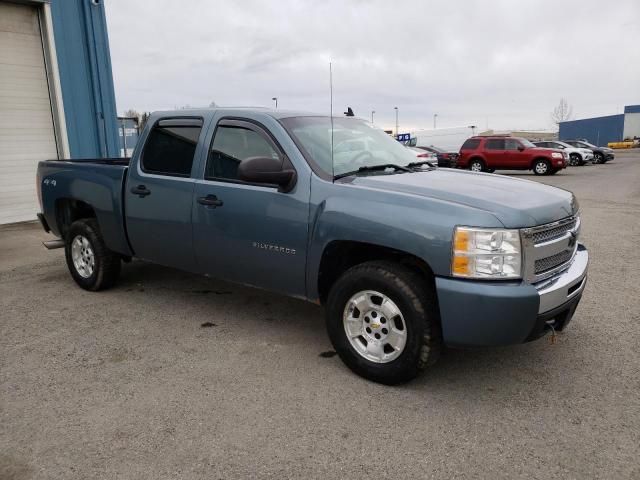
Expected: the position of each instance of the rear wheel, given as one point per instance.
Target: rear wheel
(476, 165)
(383, 322)
(92, 265)
(541, 167)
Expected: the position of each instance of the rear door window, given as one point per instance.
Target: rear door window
(495, 144)
(171, 146)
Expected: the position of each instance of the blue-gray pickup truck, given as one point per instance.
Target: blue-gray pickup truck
(404, 257)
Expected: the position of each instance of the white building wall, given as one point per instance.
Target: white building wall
(631, 125)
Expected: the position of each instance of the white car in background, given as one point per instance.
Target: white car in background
(577, 156)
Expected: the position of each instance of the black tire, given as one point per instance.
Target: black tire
(575, 160)
(553, 171)
(541, 167)
(490, 170)
(598, 158)
(417, 304)
(481, 167)
(106, 264)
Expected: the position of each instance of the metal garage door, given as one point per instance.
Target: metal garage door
(26, 124)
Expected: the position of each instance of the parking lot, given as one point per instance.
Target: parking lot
(171, 375)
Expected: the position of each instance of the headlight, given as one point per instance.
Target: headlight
(556, 155)
(486, 253)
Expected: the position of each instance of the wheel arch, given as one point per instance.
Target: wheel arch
(340, 255)
(68, 210)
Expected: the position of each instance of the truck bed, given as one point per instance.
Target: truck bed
(98, 182)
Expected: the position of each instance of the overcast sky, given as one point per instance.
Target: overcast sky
(501, 64)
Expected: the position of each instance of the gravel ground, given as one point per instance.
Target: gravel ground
(128, 383)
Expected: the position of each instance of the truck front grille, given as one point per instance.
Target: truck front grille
(549, 248)
(552, 233)
(549, 263)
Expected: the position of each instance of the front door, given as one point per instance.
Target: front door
(517, 154)
(249, 233)
(159, 194)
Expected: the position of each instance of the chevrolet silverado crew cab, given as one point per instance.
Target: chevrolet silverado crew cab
(404, 257)
(488, 154)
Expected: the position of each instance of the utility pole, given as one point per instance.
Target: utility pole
(275, 99)
(372, 112)
(435, 115)
(397, 130)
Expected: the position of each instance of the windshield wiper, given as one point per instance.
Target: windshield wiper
(424, 162)
(373, 168)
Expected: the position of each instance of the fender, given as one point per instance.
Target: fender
(407, 223)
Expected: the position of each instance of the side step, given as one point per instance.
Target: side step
(53, 244)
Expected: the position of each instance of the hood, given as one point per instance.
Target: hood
(516, 203)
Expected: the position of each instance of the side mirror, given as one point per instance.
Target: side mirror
(520, 148)
(266, 170)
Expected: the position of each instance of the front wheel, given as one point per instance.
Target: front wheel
(575, 160)
(598, 158)
(383, 322)
(541, 167)
(91, 264)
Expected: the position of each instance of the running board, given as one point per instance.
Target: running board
(53, 244)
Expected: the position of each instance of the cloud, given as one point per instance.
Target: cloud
(501, 63)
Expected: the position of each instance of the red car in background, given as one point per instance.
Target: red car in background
(487, 154)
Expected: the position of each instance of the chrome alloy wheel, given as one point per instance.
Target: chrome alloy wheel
(375, 326)
(541, 168)
(84, 259)
(476, 167)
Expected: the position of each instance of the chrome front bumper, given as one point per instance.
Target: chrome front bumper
(564, 286)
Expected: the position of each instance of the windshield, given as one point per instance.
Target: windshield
(355, 144)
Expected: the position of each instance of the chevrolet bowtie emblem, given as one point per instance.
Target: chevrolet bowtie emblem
(375, 325)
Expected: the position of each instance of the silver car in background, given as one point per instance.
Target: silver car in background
(577, 156)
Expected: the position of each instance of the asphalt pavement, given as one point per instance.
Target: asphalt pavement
(172, 375)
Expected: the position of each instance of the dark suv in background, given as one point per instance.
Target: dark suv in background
(487, 154)
(600, 154)
(445, 159)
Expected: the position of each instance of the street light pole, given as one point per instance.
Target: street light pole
(397, 130)
(372, 112)
(275, 99)
(435, 115)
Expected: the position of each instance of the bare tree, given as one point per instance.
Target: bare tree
(131, 113)
(562, 112)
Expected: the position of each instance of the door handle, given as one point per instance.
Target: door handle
(210, 201)
(141, 191)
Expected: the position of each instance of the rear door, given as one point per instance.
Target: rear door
(159, 194)
(249, 233)
(494, 150)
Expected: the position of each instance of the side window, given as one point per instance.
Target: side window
(170, 148)
(232, 145)
(470, 144)
(495, 144)
(511, 144)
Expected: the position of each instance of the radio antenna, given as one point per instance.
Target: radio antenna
(331, 116)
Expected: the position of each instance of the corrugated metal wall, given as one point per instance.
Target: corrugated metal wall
(82, 47)
(599, 130)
